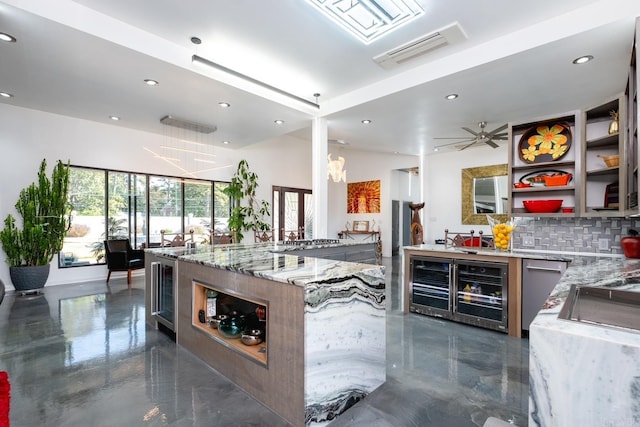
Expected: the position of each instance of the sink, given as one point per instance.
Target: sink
(602, 306)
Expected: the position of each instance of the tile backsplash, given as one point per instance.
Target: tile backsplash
(574, 234)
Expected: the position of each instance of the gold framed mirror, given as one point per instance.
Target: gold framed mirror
(471, 213)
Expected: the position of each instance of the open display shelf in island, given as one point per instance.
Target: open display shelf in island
(544, 159)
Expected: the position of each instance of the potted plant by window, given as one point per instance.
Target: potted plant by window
(45, 211)
(247, 213)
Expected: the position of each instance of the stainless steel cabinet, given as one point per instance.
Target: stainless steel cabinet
(539, 277)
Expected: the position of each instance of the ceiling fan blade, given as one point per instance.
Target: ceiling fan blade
(474, 133)
(452, 137)
(497, 130)
(499, 137)
(469, 145)
(491, 143)
(453, 143)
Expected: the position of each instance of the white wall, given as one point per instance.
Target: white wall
(367, 166)
(28, 136)
(442, 178)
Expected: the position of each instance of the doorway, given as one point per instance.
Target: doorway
(292, 213)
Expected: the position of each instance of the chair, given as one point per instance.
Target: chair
(179, 239)
(121, 257)
(262, 236)
(455, 239)
(218, 238)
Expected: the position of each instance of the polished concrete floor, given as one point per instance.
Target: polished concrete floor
(80, 355)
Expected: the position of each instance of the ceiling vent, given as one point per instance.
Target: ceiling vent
(186, 124)
(443, 37)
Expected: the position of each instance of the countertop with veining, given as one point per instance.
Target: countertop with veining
(270, 261)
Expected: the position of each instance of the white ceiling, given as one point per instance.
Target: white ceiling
(88, 59)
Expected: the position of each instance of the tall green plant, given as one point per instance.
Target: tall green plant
(45, 210)
(248, 212)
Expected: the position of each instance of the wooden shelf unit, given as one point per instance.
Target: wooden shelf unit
(257, 353)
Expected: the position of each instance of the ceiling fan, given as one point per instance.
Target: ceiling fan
(482, 136)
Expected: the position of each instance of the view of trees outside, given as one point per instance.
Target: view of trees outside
(123, 195)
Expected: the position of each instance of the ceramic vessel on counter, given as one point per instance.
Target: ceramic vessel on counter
(631, 244)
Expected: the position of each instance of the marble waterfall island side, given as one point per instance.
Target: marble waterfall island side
(325, 327)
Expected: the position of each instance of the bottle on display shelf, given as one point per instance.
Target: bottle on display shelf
(212, 298)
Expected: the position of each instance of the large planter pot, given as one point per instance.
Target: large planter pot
(29, 278)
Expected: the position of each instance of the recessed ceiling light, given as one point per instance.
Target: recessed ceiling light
(451, 96)
(436, 149)
(116, 118)
(366, 122)
(225, 142)
(224, 104)
(583, 59)
(151, 82)
(7, 38)
(6, 95)
(278, 122)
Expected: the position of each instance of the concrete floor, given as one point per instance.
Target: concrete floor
(80, 355)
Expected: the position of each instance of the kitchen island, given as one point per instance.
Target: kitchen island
(585, 374)
(324, 322)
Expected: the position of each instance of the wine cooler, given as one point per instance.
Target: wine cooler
(472, 292)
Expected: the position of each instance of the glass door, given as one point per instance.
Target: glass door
(292, 213)
(481, 289)
(127, 207)
(430, 286)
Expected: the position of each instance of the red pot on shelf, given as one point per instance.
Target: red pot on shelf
(631, 244)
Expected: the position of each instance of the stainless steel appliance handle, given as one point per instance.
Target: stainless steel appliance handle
(543, 269)
(453, 286)
(155, 284)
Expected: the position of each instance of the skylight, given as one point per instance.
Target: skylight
(369, 19)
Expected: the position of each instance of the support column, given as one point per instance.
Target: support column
(319, 150)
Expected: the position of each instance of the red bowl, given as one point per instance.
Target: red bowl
(542, 206)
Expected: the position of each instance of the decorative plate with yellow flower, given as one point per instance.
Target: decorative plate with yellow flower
(545, 143)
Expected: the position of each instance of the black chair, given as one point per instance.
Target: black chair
(121, 257)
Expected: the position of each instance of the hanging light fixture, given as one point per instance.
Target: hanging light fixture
(187, 146)
(335, 169)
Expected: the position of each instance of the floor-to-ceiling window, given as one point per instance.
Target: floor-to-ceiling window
(111, 204)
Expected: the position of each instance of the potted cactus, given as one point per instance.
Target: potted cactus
(45, 211)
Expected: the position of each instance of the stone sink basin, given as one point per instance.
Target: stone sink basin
(602, 306)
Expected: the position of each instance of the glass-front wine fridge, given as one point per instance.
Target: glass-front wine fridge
(473, 292)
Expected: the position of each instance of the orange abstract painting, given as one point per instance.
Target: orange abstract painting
(363, 197)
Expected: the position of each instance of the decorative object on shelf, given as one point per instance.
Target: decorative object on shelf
(613, 126)
(544, 143)
(46, 216)
(248, 212)
(522, 185)
(360, 225)
(611, 161)
(547, 178)
(611, 196)
(542, 206)
(417, 231)
(252, 337)
(231, 326)
(363, 197)
(502, 232)
(557, 179)
(335, 169)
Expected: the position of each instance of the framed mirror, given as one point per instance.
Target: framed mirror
(484, 191)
